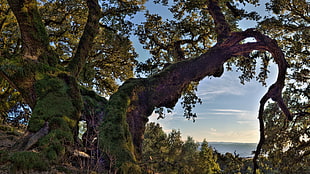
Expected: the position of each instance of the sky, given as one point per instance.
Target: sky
(229, 110)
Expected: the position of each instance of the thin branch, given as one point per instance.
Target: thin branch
(2, 23)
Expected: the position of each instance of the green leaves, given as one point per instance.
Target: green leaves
(9, 97)
(167, 153)
(186, 36)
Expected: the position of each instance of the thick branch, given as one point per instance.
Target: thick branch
(33, 33)
(31, 139)
(221, 26)
(206, 64)
(165, 88)
(86, 42)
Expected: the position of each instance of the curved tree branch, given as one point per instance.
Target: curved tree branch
(86, 42)
(164, 89)
(274, 92)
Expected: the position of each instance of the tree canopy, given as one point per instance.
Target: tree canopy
(67, 60)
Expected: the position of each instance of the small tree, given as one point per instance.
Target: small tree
(207, 160)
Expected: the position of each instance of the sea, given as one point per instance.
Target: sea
(244, 150)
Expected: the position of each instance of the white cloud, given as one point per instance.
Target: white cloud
(249, 136)
(238, 113)
(230, 110)
(228, 84)
(242, 114)
(212, 129)
(244, 122)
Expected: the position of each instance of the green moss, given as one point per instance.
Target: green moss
(130, 168)
(39, 76)
(52, 84)
(71, 122)
(56, 137)
(35, 124)
(59, 104)
(51, 154)
(6, 128)
(27, 161)
(115, 136)
(53, 144)
(3, 156)
(54, 100)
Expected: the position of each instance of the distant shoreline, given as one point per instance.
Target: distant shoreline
(242, 149)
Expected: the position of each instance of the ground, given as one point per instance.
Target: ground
(8, 136)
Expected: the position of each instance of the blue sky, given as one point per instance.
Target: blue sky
(229, 109)
(228, 112)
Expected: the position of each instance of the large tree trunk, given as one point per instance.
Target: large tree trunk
(53, 94)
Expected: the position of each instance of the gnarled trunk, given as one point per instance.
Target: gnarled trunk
(53, 94)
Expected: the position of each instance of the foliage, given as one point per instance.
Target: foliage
(164, 153)
(108, 62)
(167, 153)
(10, 100)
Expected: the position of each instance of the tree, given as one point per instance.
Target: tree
(55, 60)
(154, 148)
(169, 154)
(207, 162)
(189, 156)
